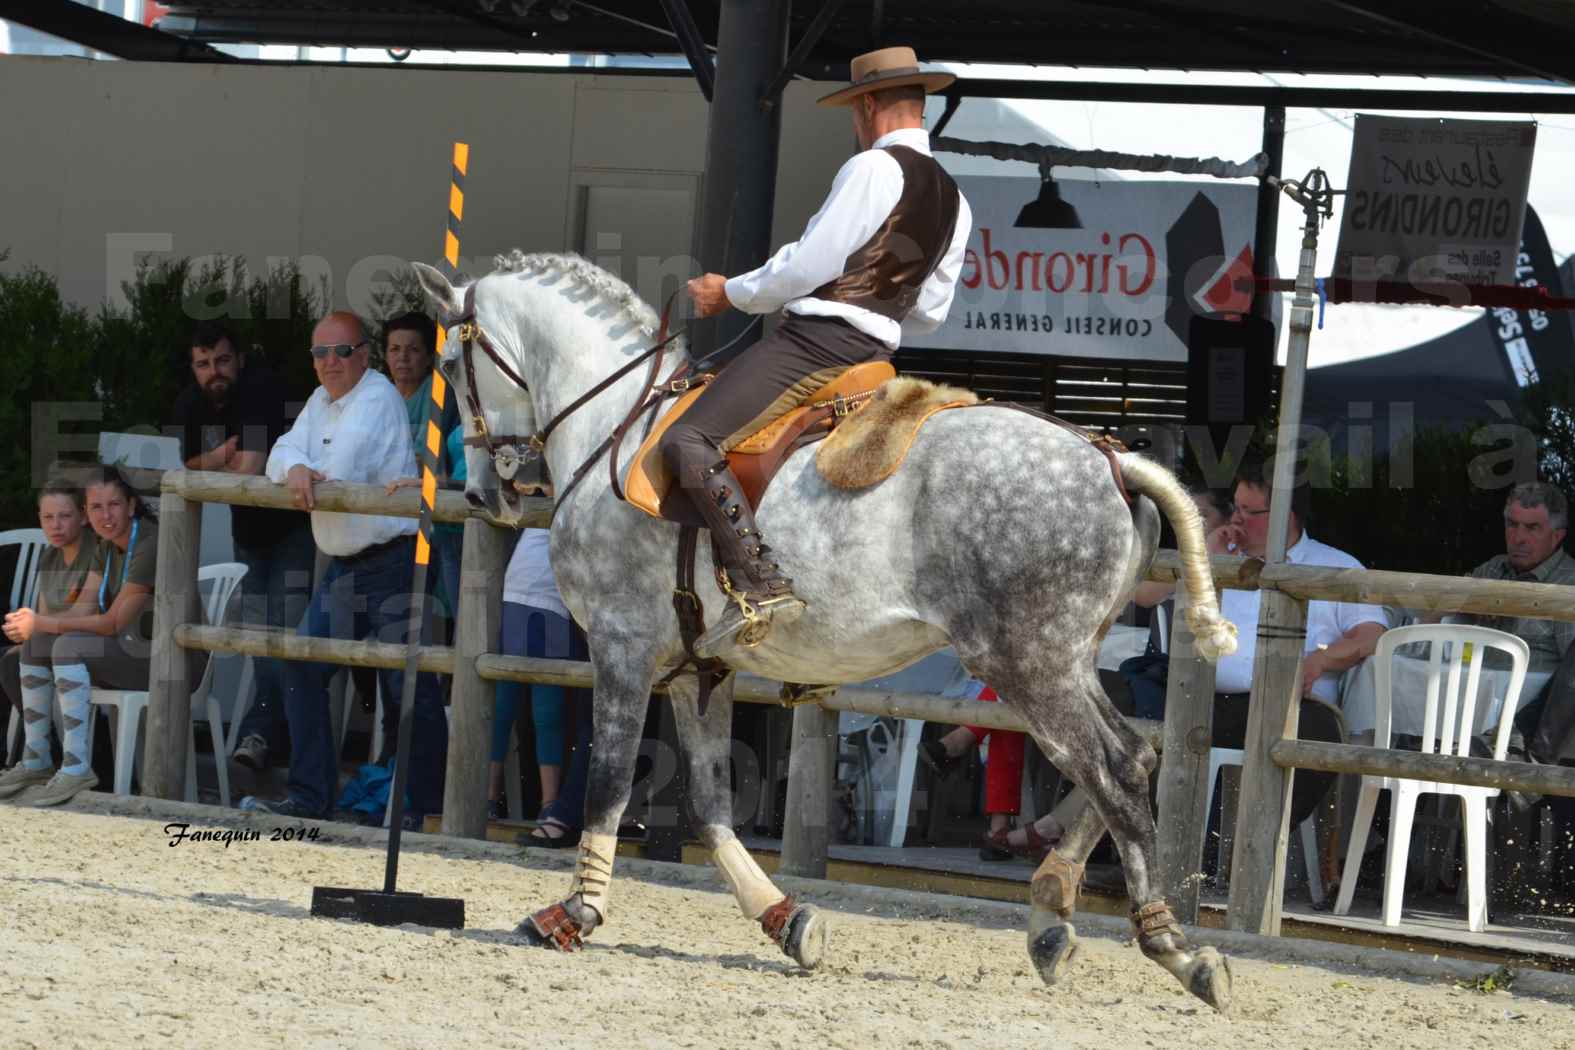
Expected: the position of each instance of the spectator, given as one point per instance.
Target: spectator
(1536, 520)
(1003, 783)
(1145, 675)
(1215, 512)
(229, 417)
(409, 342)
(103, 640)
(352, 429)
(535, 623)
(62, 571)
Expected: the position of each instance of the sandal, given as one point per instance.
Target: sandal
(566, 838)
(994, 848)
(1036, 848)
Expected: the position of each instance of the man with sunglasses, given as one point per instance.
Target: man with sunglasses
(353, 429)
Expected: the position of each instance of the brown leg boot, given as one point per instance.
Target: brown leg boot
(759, 595)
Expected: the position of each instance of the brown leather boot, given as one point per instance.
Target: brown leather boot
(759, 595)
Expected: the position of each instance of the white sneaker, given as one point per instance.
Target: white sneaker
(62, 787)
(19, 778)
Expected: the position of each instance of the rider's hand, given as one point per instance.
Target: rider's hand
(709, 293)
(300, 481)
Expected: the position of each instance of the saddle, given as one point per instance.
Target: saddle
(757, 459)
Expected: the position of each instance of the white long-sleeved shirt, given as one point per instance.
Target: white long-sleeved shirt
(863, 194)
(362, 437)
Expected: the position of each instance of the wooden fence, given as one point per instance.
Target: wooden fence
(1184, 739)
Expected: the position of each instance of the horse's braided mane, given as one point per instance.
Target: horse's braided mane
(610, 289)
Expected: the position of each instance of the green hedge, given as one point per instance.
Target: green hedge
(132, 361)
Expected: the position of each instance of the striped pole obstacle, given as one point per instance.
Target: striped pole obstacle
(391, 907)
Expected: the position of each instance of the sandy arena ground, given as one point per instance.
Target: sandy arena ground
(113, 938)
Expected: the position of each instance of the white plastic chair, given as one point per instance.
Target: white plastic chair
(30, 544)
(1446, 732)
(129, 704)
(907, 761)
(1230, 756)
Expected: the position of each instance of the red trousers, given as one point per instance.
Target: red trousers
(1003, 773)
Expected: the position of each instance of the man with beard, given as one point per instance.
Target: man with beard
(229, 418)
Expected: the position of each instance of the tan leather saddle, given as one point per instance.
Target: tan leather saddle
(756, 460)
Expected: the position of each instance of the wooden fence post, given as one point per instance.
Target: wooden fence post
(481, 569)
(169, 686)
(812, 765)
(1184, 766)
(1257, 884)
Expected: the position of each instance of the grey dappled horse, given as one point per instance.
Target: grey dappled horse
(1001, 535)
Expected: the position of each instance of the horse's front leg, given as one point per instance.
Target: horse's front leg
(624, 670)
(798, 929)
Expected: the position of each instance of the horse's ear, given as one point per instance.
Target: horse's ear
(442, 294)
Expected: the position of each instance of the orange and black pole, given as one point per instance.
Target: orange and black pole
(430, 454)
(391, 907)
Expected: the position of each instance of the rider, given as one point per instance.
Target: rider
(880, 259)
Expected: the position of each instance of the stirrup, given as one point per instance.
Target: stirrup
(756, 626)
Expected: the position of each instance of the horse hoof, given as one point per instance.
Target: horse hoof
(552, 927)
(1052, 950)
(805, 941)
(1210, 979)
(527, 932)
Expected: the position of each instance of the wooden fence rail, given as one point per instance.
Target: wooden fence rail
(1273, 753)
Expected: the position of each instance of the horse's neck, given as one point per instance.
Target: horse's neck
(585, 358)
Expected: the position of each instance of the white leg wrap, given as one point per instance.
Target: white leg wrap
(755, 892)
(593, 873)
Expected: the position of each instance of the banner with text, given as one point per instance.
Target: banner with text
(1111, 270)
(1435, 201)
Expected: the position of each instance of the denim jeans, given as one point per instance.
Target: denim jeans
(274, 593)
(367, 595)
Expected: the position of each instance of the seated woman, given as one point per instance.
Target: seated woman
(62, 571)
(104, 639)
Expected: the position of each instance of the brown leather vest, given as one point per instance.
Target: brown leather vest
(885, 274)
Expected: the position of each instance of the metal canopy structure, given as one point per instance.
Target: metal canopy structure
(1491, 38)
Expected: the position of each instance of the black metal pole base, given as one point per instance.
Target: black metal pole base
(388, 909)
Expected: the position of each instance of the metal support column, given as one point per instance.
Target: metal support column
(1266, 235)
(741, 151)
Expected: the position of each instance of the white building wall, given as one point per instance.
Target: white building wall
(343, 168)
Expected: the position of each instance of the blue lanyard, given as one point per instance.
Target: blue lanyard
(125, 566)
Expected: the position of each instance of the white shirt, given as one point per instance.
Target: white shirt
(863, 194)
(1326, 622)
(529, 580)
(362, 437)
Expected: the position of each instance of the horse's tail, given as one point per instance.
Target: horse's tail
(1215, 635)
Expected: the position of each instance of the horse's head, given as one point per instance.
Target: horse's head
(490, 377)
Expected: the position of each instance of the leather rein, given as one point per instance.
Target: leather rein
(506, 450)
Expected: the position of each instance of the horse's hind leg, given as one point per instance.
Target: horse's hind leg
(798, 929)
(624, 672)
(1084, 734)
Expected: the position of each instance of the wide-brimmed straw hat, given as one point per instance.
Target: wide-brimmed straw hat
(890, 67)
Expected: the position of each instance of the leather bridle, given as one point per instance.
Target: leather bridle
(509, 451)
